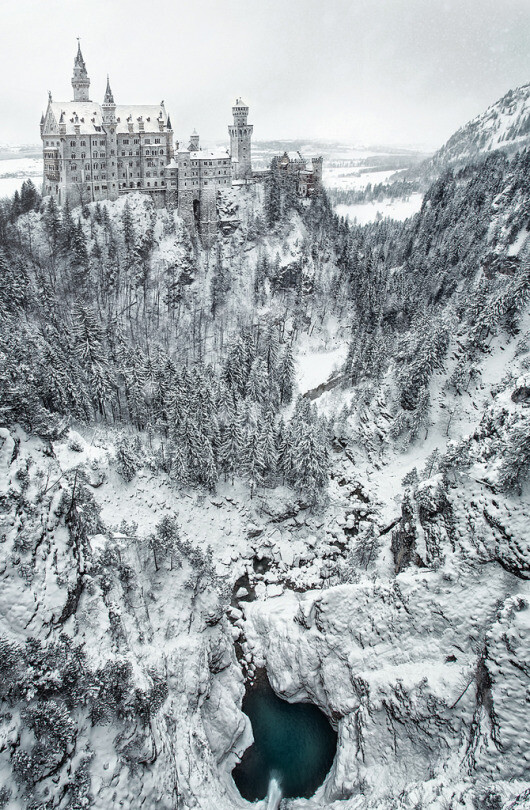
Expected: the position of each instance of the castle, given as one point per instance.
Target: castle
(103, 151)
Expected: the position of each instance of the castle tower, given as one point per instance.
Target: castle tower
(194, 142)
(108, 106)
(240, 134)
(108, 109)
(80, 80)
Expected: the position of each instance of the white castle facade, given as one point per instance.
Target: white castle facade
(96, 152)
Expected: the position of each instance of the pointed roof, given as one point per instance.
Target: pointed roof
(79, 61)
(109, 98)
(169, 123)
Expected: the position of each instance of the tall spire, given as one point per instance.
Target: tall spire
(109, 107)
(79, 61)
(109, 98)
(80, 80)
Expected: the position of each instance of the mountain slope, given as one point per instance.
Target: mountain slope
(505, 125)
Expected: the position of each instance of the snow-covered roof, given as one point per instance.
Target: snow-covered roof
(90, 116)
(150, 113)
(207, 154)
(295, 156)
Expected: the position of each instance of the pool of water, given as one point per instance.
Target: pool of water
(293, 743)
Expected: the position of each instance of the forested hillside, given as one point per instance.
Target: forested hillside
(178, 508)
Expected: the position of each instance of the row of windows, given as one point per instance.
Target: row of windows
(83, 143)
(207, 163)
(147, 152)
(138, 184)
(216, 182)
(124, 141)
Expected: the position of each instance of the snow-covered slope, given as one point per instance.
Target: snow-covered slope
(505, 125)
(134, 604)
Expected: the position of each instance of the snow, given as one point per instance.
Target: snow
(350, 177)
(389, 207)
(317, 367)
(14, 172)
(396, 661)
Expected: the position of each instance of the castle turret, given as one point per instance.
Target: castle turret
(80, 80)
(110, 124)
(108, 106)
(194, 142)
(240, 136)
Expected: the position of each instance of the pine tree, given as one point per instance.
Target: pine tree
(286, 375)
(273, 204)
(80, 254)
(253, 461)
(231, 446)
(267, 440)
(30, 199)
(310, 466)
(164, 541)
(258, 381)
(127, 226)
(67, 231)
(89, 348)
(52, 221)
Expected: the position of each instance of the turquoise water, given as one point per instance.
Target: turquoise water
(293, 742)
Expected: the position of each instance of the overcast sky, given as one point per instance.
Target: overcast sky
(368, 71)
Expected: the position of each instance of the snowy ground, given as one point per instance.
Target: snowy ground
(14, 172)
(350, 177)
(363, 213)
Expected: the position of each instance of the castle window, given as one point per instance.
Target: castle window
(94, 154)
(96, 188)
(72, 143)
(73, 167)
(147, 152)
(149, 184)
(161, 151)
(136, 140)
(102, 143)
(148, 174)
(87, 167)
(126, 141)
(156, 183)
(83, 143)
(83, 155)
(123, 154)
(157, 140)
